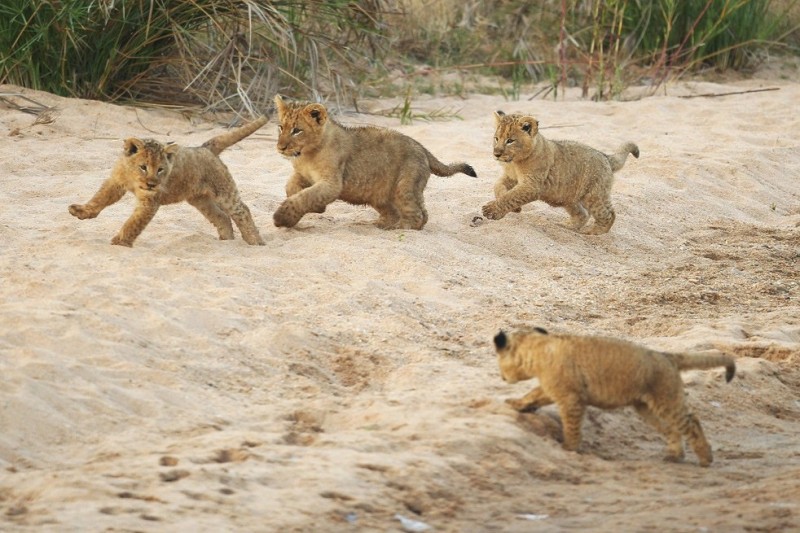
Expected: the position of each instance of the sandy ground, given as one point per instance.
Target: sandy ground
(342, 377)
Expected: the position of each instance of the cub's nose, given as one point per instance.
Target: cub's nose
(151, 185)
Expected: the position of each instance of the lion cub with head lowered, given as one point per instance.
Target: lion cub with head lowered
(360, 165)
(160, 174)
(575, 372)
(562, 173)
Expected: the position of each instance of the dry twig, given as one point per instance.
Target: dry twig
(35, 109)
(712, 95)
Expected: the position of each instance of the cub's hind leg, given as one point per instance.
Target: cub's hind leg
(219, 218)
(673, 435)
(389, 217)
(604, 216)
(412, 216)
(690, 427)
(109, 193)
(410, 202)
(240, 214)
(578, 215)
(598, 202)
(681, 422)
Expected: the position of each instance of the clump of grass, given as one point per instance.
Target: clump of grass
(672, 37)
(601, 45)
(407, 115)
(616, 41)
(229, 54)
(718, 32)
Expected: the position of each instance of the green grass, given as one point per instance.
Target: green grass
(219, 53)
(234, 55)
(606, 45)
(405, 112)
(717, 32)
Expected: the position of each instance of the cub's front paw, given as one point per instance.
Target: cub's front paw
(79, 211)
(521, 405)
(492, 211)
(119, 242)
(286, 217)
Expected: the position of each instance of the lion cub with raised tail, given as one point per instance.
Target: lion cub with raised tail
(159, 174)
(561, 173)
(576, 371)
(364, 165)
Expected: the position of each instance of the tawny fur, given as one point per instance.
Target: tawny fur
(575, 372)
(160, 174)
(360, 165)
(561, 173)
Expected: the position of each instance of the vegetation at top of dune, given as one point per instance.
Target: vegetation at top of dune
(601, 45)
(234, 55)
(224, 54)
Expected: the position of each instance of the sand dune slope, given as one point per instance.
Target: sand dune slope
(342, 376)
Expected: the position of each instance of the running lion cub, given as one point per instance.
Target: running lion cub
(160, 174)
(561, 173)
(575, 371)
(360, 165)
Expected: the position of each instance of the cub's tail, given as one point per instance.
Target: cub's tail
(220, 142)
(701, 361)
(440, 169)
(618, 159)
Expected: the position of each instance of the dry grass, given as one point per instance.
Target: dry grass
(226, 55)
(602, 46)
(233, 56)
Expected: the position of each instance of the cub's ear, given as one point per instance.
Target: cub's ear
(317, 112)
(540, 330)
(500, 340)
(498, 116)
(170, 150)
(280, 105)
(529, 125)
(132, 145)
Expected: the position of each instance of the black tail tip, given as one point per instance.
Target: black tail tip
(500, 340)
(635, 151)
(730, 371)
(469, 171)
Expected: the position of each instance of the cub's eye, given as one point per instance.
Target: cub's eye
(296, 131)
(143, 168)
(495, 139)
(160, 170)
(510, 141)
(280, 128)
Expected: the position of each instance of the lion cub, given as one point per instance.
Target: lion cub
(562, 173)
(603, 372)
(360, 165)
(166, 174)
